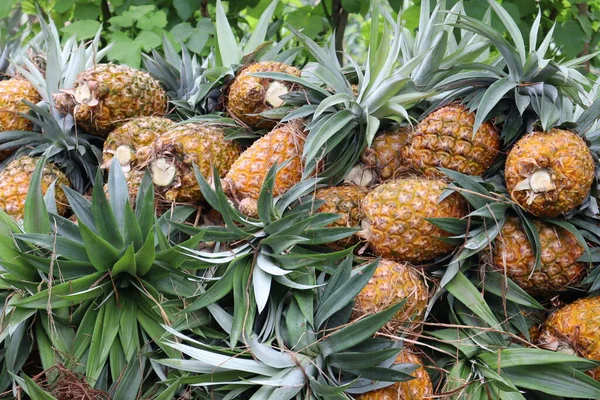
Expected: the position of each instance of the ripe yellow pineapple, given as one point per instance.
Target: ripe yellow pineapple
(549, 173)
(175, 153)
(125, 141)
(384, 157)
(395, 216)
(246, 176)
(512, 253)
(345, 201)
(107, 95)
(575, 328)
(416, 389)
(445, 139)
(15, 180)
(391, 283)
(252, 95)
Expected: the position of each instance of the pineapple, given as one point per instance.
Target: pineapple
(549, 173)
(345, 201)
(14, 184)
(391, 283)
(106, 96)
(575, 328)
(12, 93)
(247, 174)
(384, 156)
(249, 95)
(445, 139)
(125, 141)
(395, 217)
(175, 153)
(513, 254)
(418, 388)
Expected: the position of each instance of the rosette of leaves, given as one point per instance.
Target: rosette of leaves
(289, 355)
(257, 257)
(490, 362)
(96, 285)
(520, 82)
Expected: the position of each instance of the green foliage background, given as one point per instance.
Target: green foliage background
(136, 26)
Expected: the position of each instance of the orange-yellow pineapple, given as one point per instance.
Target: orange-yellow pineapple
(15, 180)
(549, 173)
(176, 152)
(575, 328)
(384, 157)
(445, 139)
(107, 96)
(252, 95)
(415, 389)
(395, 215)
(246, 176)
(513, 254)
(392, 283)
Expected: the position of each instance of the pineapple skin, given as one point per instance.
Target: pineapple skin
(12, 92)
(568, 159)
(15, 180)
(395, 215)
(195, 143)
(415, 389)
(391, 283)
(122, 93)
(247, 94)
(346, 202)
(445, 139)
(248, 172)
(577, 327)
(136, 133)
(560, 251)
(384, 156)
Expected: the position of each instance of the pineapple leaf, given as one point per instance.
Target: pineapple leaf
(35, 214)
(554, 379)
(461, 288)
(104, 217)
(118, 192)
(31, 388)
(221, 288)
(229, 50)
(100, 252)
(504, 287)
(259, 34)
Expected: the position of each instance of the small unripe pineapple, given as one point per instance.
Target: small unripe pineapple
(384, 157)
(15, 180)
(549, 173)
(445, 139)
(392, 283)
(418, 388)
(575, 328)
(395, 218)
(513, 254)
(250, 95)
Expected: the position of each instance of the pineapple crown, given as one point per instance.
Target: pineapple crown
(111, 264)
(524, 84)
(303, 345)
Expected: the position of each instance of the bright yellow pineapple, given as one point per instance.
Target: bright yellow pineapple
(395, 218)
(252, 95)
(445, 139)
(549, 173)
(107, 96)
(15, 180)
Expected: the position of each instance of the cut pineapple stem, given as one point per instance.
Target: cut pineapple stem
(274, 91)
(124, 154)
(538, 182)
(163, 173)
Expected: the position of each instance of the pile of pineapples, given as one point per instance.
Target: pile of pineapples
(420, 224)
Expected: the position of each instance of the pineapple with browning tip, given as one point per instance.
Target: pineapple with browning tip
(345, 201)
(125, 141)
(513, 254)
(445, 139)
(415, 389)
(249, 95)
(549, 173)
(107, 96)
(392, 283)
(15, 180)
(172, 160)
(247, 174)
(575, 328)
(384, 156)
(395, 218)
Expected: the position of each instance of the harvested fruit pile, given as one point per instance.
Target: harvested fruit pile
(423, 224)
